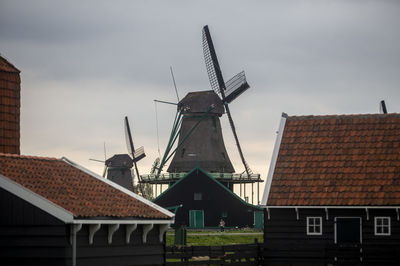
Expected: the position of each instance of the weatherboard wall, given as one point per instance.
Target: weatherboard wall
(30, 236)
(286, 240)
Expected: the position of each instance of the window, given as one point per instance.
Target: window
(382, 226)
(197, 196)
(224, 214)
(314, 225)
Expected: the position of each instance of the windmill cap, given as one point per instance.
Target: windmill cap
(200, 101)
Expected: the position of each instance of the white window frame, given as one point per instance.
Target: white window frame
(308, 225)
(376, 225)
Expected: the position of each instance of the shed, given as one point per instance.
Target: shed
(332, 194)
(55, 212)
(205, 201)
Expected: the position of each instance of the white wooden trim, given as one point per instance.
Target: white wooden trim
(347, 217)
(274, 159)
(163, 229)
(297, 213)
(116, 221)
(115, 185)
(389, 226)
(320, 226)
(129, 230)
(367, 212)
(146, 229)
(35, 199)
(112, 228)
(93, 228)
(326, 214)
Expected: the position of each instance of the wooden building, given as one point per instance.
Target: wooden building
(205, 201)
(55, 212)
(332, 194)
(9, 107)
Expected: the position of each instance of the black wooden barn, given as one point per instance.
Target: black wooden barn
(205, 201)
(55, 212)
(332, 194)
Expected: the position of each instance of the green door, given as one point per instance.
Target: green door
(258, 220)
(196, 218)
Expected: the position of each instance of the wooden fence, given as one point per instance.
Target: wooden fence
(245, 254)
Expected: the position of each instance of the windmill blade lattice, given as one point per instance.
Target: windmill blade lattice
(235, 86)
(212, 65)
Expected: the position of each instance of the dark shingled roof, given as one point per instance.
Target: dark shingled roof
(74, 190)
(346, 160)
(199, 101)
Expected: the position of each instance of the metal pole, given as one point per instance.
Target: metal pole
(244, 191)
(252, 193)
(73, 245)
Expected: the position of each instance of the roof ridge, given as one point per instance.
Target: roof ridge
(303, 117)
(32, 157)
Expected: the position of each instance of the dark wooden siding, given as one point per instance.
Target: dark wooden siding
(286, 239)
(30, 236)
(215, 200)
(119, 253)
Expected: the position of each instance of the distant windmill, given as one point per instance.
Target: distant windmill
(229, 90)
(136, 155)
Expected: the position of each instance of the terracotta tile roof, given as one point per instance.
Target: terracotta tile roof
(7, 66)
(338, 160)
(72, 189)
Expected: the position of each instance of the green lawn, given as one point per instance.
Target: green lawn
(217, 238)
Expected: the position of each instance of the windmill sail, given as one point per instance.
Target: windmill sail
(218, 85)
(212, 65)
(132, 151)
(235, 86)
(128, 138)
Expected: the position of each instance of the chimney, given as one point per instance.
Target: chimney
(10, 103)
(382, 107)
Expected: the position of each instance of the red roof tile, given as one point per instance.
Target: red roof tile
(338, 160)
(72, 189)
(7, 66)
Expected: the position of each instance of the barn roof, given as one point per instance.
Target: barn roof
(338, 160)
(7, 66)
(207, 175)
(74, 189)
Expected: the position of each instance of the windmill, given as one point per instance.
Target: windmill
(228, 91)
(136, 155)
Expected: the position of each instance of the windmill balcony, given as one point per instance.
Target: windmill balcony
(168, 178)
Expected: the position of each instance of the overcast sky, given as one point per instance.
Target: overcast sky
(86, 64)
